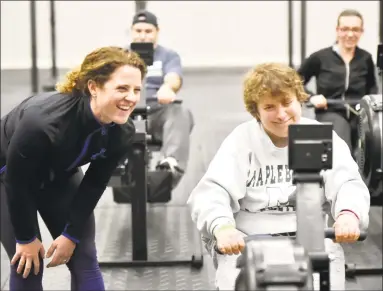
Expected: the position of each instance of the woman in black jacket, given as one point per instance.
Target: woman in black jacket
(44, 142)
(342, 71)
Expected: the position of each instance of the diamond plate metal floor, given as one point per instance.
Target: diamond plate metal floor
(170, 236)
(170, 233)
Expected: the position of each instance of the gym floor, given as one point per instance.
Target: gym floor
(211, 95)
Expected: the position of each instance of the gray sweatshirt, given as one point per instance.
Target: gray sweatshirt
(248, 184)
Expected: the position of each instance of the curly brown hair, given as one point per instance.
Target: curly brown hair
(98, 66)
(274, 80)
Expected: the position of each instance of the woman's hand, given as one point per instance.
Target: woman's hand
(319, 101)
(165, 95)
(229, 240)
(28, 254)
(346, 228)
(63, 249)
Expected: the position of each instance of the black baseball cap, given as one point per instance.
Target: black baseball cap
(146, 17)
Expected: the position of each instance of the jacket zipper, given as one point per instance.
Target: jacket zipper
(85, 148)
(347, 79)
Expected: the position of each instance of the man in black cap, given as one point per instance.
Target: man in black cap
(169, 122)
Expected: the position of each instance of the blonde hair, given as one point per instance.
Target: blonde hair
(271, 80)
(98, 66)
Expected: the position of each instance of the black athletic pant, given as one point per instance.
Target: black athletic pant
(53, 204)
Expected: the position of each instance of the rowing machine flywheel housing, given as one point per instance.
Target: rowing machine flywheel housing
(370, 145)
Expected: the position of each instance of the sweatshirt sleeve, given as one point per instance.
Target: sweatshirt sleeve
(91, 188)
(216, 197)
(344, 187)
(26, 158)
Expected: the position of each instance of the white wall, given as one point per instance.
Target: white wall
(232, 33)
(205, 33)
(81, 26)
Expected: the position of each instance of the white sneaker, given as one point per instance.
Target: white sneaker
(170, 164)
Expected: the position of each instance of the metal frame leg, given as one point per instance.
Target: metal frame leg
(139, 218)
(34, 68)
(310, 223)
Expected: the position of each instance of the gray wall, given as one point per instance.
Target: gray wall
(205, 33)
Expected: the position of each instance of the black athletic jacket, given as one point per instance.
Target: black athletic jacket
(57, 133)
(334, 80)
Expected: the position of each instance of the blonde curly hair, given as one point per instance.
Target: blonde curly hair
(98, 66)
(274, 80)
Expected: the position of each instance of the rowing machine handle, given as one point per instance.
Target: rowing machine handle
(246, 239)
(154, 99)
(330, 233)
(336, 102)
